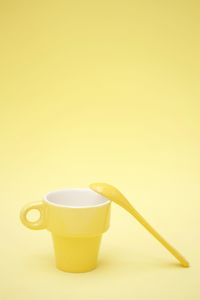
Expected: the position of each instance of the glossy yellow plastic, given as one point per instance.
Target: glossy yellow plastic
(115, 195)
(76, 232)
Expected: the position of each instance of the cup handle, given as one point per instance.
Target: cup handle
(38, 224)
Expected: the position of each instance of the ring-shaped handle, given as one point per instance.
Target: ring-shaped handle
(38, 224)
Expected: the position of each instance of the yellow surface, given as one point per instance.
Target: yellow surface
(101, 91)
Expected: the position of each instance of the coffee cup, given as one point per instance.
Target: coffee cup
(76, 219)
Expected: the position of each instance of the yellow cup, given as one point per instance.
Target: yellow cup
(76, 218)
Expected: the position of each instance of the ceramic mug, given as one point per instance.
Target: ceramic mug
(76, 218)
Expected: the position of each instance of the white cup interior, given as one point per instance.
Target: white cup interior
(77, 198)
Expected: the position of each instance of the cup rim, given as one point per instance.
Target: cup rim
(45, 198)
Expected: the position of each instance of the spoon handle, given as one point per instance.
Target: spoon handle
(169, 247)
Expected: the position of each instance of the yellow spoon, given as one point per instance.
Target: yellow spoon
(113, 194)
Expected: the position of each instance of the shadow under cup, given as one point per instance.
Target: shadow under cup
(76, 218)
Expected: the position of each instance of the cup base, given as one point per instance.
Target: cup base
(76, 254)
(67, 270)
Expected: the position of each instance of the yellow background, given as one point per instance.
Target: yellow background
(101, 91)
